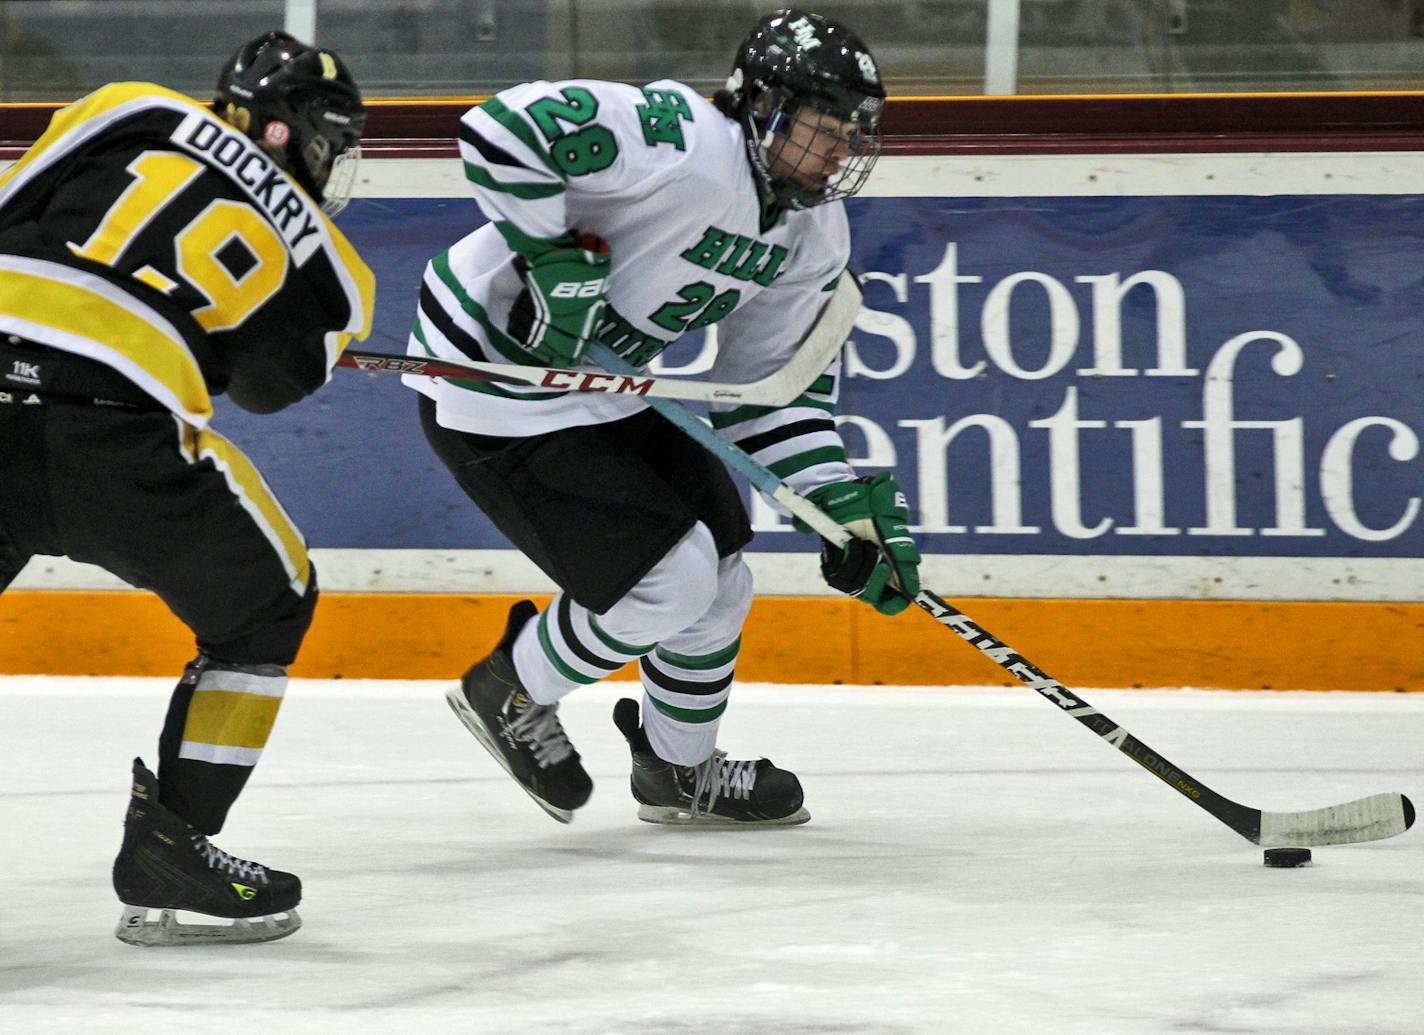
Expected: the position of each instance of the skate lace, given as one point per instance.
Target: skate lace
(217, 859)
(724, 777)
(539, 727)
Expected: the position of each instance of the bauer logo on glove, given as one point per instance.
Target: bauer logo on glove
(881, 565)
(564, 296)
(574, 289)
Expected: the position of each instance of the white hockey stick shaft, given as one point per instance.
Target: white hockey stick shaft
(777, 389)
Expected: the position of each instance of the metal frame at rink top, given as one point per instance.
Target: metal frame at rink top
(1146, 365)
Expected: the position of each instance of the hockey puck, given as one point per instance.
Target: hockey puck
(1286, 858)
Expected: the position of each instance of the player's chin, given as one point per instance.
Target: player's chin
(818, 183)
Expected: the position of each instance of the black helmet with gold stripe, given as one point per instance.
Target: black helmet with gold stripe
(302, 105)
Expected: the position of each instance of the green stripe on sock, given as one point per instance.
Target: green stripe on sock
(672, 711)
(702, 661)
(552, 655)
(616, 645)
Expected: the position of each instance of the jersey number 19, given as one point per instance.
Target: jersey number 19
(159, 177)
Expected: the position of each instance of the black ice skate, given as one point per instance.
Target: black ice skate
(166, 865)
(721, 792)
(524, 737)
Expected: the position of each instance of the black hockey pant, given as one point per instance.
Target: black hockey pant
(181, 512)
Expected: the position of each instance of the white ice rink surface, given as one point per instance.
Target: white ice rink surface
(976, 863)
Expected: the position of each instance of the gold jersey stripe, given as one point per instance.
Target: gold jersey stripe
(354, 271)
(230, 719)
(87, 117)
(78, 312)
(252, 492)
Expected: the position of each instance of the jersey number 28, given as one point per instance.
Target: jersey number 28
(577, 152)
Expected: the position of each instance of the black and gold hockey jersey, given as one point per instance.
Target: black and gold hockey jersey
(145, 233)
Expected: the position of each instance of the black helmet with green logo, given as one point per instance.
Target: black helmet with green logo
(790, 65)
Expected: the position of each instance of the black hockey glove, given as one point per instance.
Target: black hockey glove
(881, 566)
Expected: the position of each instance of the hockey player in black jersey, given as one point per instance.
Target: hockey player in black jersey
(155, 252)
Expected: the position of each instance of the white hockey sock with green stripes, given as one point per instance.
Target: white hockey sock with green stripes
(684, 696)
(565, 648)
(687, 679)
(569, 646)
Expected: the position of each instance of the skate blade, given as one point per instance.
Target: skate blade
(135, 928)
(472, 722)
(674, 817)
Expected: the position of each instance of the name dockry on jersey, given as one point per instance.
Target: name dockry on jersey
(245, 163)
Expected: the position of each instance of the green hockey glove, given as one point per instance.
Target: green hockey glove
(881, 566)
(562, 303)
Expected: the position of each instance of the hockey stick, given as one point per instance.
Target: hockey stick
(1365, 819)
(776, 389)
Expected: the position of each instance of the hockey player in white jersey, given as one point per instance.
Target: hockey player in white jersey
(631, 216)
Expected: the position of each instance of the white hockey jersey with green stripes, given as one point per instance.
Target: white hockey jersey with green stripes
(663, 176)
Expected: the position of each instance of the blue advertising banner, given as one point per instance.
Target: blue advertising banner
(1159, 376)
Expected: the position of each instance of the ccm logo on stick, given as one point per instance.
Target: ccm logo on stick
(592, 382)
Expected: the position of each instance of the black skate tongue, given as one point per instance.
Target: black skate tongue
(144, 781)
(625, 717)
(519, 616)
